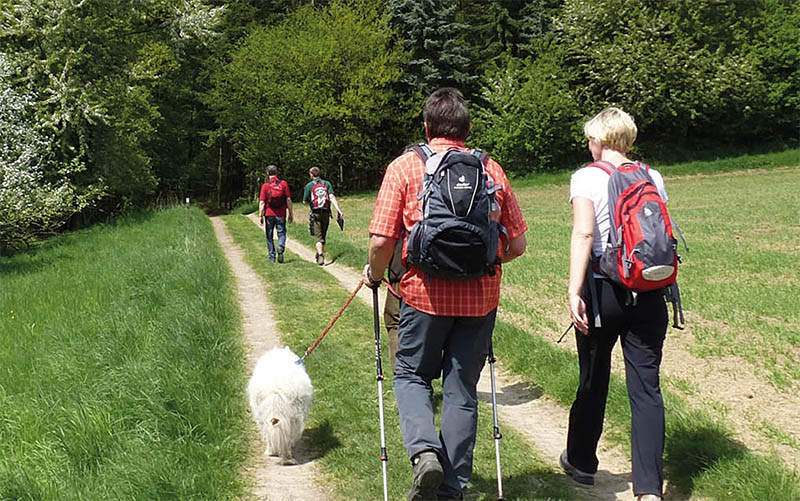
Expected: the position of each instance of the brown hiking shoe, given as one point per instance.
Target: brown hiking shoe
(428, 475)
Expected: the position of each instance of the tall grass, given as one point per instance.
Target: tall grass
(121, 365)
(740, 284)
(343, 424)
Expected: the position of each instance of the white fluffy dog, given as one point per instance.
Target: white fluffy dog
(280, 394)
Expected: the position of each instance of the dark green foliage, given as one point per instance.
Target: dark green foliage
(161, 100)
(775, 46)
(317, 90)
(530, 121)
(684, 69)
(431, 36)
(101, 71)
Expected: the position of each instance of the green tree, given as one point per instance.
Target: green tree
(94, 67)
(317, 89)
(680, 67)
(531, 119)
(775, 46)
(437, 57)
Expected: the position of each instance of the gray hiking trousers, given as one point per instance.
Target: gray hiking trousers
(455, 348)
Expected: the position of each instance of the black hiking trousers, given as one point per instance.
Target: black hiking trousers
(641, 329)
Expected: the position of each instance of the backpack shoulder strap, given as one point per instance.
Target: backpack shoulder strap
(606, 167)
(482, 156)
(423, 151)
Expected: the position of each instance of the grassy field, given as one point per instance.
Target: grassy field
(121, 366)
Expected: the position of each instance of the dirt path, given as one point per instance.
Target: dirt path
(538, 419)
(270, 480)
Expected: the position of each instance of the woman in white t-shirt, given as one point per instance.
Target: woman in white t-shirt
(641, 325)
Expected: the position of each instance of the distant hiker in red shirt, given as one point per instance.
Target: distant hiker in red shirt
(446, 324)
(275, 201)
(318, 194)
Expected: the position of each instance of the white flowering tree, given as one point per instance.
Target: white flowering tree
(97, 75)
(36, 196)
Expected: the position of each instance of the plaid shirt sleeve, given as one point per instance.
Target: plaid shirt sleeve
(387, 216)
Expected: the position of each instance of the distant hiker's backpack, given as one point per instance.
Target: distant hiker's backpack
(456, 238)
(319, 196)
(277, 197)
(641, 253)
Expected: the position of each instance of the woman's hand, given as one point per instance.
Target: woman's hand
(577, 310)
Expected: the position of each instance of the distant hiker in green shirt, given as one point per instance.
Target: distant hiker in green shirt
(318, 194)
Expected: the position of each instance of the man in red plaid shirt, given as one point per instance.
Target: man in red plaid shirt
(445, 325)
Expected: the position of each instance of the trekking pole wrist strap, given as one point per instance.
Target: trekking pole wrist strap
(372, 280)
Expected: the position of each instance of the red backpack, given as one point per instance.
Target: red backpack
(276, 194)
(319, 196)
(642, 252)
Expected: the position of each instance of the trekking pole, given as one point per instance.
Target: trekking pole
(330, 324)
(384, 457)
(571, 325)
(496, 435)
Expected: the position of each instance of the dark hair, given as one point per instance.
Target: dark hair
(272, 170)
(446, 114)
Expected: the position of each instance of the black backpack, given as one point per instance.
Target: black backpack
(456, 238)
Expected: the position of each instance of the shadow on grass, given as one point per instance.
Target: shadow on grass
(513, 394)
(317, 442)
(692, 448)
(529, 485)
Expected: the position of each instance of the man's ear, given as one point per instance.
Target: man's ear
(427, 134)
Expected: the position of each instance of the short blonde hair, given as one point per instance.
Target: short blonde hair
(613, 128)
(314, 171)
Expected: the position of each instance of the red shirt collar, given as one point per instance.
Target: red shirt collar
(447, 142)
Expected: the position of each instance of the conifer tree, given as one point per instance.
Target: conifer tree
(431, 34)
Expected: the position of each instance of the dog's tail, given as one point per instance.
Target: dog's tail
(274, 416)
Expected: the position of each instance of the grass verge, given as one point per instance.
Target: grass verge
(122, 372)
(343, 423)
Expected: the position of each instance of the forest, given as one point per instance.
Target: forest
(108, 106)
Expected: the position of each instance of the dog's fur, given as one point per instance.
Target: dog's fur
(280, 395)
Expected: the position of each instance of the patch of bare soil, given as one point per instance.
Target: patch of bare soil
(730, 383)
(270, 480)
(737, 173)
(540, 421)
